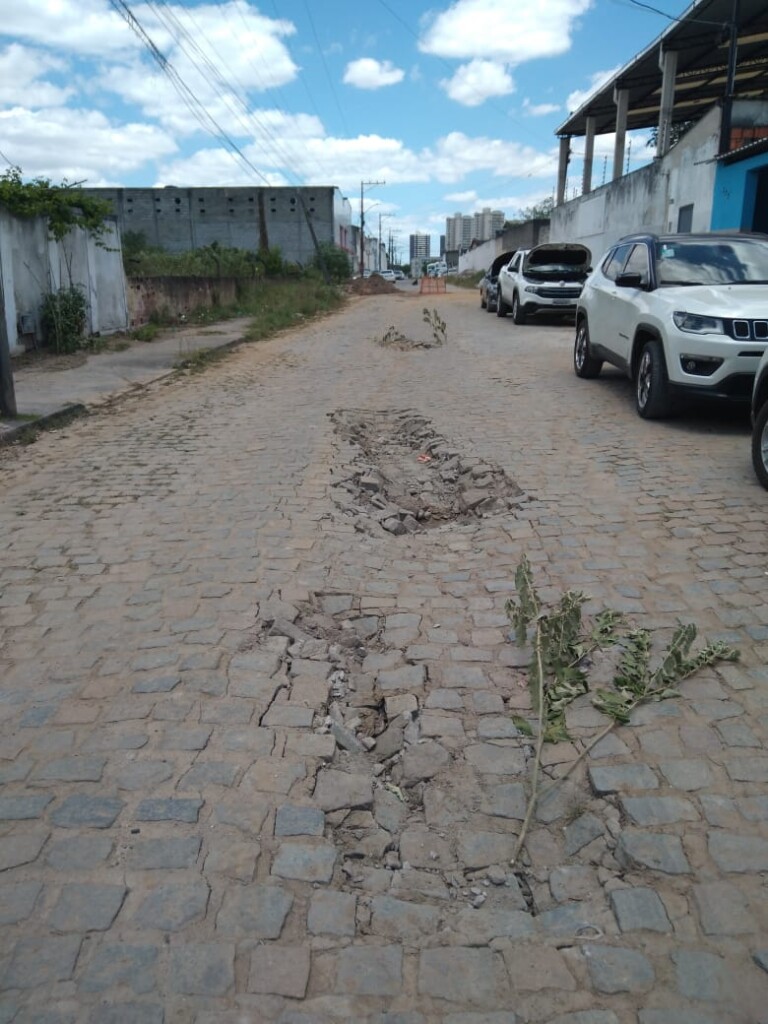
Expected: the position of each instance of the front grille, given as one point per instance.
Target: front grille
(747, 330)
(559, 293)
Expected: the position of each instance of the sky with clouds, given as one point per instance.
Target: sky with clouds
(453, 105)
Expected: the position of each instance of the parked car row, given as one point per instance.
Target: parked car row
(683, 316)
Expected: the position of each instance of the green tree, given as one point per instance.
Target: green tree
(64, 206)
(332, 260)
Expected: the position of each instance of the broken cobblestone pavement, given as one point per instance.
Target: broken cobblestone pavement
(257, 751)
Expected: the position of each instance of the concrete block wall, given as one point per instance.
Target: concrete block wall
(180, 219)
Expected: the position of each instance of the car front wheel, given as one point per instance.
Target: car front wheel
(518, 316)
(760, 445)
(584, 363)
(651, 384)
(501, 307)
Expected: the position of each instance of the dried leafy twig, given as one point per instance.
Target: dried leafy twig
(557, 674)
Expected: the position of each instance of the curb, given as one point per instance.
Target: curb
(18, 433)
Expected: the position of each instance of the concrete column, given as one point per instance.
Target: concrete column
(589, 152)
(562, 168)
(621, 99)
(668, 65)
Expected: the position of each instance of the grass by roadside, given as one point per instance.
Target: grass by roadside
(465, 280)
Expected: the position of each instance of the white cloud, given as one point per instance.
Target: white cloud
(215, 167)
(21, 69)
(540, 109)
(580, 96)
(470, 196)
(367, 73)
(474, 83)
(457, 155)
(246, 41)
(78, 144)
(511, 32)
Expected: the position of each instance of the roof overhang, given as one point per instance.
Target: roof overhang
(701, 39)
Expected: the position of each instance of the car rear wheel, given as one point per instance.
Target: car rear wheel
(518, 316)
(651, 384)
(760, 445)
(584, 363)
(501, 307)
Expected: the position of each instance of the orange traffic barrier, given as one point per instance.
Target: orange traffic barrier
(431, 285)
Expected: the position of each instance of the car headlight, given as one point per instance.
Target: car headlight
(532, 288)
(695, 323)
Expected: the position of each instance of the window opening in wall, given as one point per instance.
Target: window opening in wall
(311, 209)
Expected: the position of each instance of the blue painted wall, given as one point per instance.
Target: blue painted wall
(733, 202)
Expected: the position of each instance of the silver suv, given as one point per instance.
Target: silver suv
(546, 279)
(681, 315)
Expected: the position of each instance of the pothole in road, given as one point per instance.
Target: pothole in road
(406, 477)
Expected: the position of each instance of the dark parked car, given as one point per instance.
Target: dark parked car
(489, 283)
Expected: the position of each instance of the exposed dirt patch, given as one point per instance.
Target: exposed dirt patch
(48, 361)
(406, 477)
(371, 286)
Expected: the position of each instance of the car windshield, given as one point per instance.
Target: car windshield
(563, 264)
(712, 262)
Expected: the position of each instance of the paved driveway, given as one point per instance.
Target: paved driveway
(256, 699)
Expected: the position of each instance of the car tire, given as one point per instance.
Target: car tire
(483, 302)
(651, 383)
(518, 316)
(760, 445)
(490, 307)
(585, 365)
(501, 307)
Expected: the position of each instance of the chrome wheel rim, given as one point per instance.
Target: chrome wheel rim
(644, 379)
(764, 447)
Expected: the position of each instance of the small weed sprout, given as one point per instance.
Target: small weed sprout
(438, 325)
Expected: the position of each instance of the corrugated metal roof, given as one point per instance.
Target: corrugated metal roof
(701, 38)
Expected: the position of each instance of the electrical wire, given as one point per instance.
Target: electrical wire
(671, 17)
(325, 67)
(223, 86)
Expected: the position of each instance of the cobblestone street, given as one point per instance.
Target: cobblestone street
(256, 737)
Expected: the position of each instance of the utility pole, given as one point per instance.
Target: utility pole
(7, 390)
(363, 186)
(378, 251)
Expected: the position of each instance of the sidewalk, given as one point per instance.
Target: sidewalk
(54, 388)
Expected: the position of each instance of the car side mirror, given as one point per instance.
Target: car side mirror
(630, 281)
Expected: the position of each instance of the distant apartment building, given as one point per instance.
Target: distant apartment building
(462, 229)
(442, 245)
(487, 223)
(420, 247)
(458, 232)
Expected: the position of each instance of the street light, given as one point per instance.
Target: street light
(363, 186)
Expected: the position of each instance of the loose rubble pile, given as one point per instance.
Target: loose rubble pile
(406, 477)
(417, 796)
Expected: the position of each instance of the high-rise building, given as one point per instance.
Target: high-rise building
(487, 223)
(458, 232)
(462, 229)
(420, 246)
(442, 245)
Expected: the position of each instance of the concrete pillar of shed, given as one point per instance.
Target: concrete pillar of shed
(621, 99)
(589, 152)
(668, 65)
(562, 168)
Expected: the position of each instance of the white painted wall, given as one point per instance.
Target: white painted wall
(649, 198)
(33, 265)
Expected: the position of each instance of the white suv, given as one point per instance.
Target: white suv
(760, 422)
(681, 315)
(546, 279)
